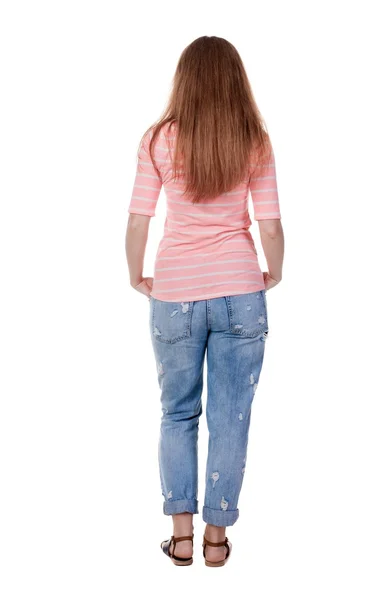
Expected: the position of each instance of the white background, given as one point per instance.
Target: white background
(81, 505)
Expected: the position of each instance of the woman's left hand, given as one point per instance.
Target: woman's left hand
(145, 286)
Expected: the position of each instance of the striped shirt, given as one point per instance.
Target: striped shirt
(206, 250)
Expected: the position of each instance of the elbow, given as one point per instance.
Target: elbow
(272, 228)
(137, 221)
(274, 233)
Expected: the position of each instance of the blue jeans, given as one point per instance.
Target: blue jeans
(233, 331)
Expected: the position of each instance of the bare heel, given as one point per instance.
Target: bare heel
(218, 563)
(177, 560)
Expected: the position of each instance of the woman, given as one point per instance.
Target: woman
(209, 149)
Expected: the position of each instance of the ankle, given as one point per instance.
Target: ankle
(182, 532)
(182, 525)
(215, 534)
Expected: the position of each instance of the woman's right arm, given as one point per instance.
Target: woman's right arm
(272, 241)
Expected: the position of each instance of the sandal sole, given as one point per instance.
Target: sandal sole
(182, 564)
(219, 563)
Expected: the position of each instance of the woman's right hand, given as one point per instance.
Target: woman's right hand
(270, 282)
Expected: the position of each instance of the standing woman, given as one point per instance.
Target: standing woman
(209, 150)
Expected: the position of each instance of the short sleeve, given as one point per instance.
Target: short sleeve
(147, 184)
(264, 191)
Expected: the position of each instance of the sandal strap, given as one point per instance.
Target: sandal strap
(216, 544)
(223, 543)
(181, 538)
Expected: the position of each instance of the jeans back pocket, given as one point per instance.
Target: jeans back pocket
(170, 322)
(248, 316)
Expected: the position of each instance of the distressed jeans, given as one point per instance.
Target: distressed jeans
(232, 330)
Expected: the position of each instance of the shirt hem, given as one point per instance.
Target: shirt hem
(218, 294)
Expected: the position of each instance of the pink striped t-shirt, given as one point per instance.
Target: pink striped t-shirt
(206, 250)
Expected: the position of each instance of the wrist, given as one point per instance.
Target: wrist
(135, 282)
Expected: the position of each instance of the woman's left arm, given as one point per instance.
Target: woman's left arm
(142, 207)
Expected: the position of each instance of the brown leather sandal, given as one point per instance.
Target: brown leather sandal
(177, 560)
(217, 563)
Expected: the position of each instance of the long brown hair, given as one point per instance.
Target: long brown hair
(221, 135)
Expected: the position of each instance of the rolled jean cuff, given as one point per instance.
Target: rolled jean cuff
(220, 518)
(173, 507)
